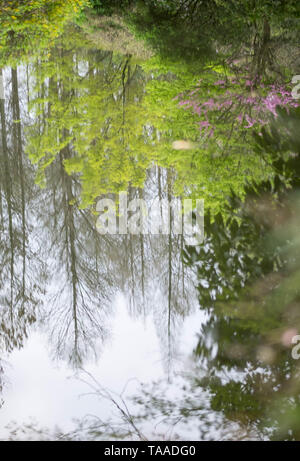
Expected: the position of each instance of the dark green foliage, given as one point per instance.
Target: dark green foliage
(249, 276)
(107, 7)
(192, 29)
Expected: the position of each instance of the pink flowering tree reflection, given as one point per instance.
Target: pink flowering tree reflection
(228, 107)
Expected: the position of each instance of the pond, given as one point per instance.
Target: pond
(149, 202)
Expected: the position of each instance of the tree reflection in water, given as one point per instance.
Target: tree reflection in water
(81, 123)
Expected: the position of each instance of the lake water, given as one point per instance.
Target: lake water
(138, 336)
